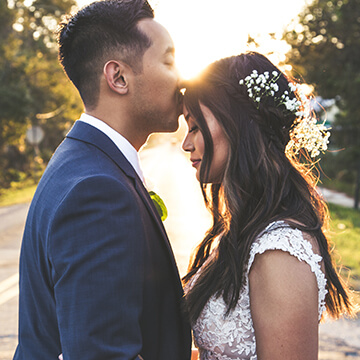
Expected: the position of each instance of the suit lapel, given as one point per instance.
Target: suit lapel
(152, 209)
(89, 134)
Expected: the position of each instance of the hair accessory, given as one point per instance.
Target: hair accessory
(305, 133)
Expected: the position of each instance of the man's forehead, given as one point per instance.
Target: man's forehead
(158, 34)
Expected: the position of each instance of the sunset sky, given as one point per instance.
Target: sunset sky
(206, 30)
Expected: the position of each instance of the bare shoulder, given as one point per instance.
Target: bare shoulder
(280, 272)
(284, 306)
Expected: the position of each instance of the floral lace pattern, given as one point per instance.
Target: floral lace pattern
(221, 337)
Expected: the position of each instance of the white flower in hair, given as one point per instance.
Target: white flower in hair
(292, 87)
(309, 135)
(306, 133)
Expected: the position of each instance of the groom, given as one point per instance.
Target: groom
(98, 279)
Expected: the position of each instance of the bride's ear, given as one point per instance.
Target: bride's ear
(117, 76)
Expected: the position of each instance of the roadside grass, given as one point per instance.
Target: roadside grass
(17, 194)
(345, 234)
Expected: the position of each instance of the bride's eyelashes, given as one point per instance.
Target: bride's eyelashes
(193, 128)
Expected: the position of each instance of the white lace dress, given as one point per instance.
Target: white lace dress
(220, 337)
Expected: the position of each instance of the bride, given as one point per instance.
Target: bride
(262, 278)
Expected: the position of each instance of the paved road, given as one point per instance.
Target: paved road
(337, 198)
(170, 174)
(12, 220)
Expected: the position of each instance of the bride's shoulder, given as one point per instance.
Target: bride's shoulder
(284, 255)
(286, 236)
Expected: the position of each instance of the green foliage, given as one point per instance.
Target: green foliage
(33, 87)
(327, 47)
(335, 182)
(345, 227)
(325, 50)
(17, 195)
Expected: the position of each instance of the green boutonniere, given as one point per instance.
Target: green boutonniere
(159, 204)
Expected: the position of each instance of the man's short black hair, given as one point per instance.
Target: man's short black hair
(95, 33)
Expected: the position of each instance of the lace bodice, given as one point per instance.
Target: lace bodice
(221, 337)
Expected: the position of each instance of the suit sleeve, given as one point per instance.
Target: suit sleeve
(96, 251)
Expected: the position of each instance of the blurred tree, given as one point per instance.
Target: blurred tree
(325, 50)
(33, 87)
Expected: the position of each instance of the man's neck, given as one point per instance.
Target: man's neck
(131, 134)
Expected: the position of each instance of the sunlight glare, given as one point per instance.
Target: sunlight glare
(207, 30)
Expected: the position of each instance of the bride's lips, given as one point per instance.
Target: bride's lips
(195, 162)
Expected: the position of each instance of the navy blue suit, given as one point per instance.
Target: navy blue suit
(98, 279)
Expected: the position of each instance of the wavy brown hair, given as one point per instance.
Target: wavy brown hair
(261, 184)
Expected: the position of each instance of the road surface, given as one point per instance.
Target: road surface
(12, 220)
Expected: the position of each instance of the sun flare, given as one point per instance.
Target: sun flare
(206, 30)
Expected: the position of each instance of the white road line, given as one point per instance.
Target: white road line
(7, 283)
(9, 288)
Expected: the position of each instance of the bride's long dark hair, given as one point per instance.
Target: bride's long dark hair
(261, 184)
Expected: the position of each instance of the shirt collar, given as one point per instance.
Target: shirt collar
(122, 144)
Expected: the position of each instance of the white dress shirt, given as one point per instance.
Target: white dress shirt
(123, 145)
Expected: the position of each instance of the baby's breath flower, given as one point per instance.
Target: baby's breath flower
(305, 133)
(292, 87)
(309, 135)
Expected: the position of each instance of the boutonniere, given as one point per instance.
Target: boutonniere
(159, 204)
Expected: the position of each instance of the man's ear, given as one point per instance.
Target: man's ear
(117, 76)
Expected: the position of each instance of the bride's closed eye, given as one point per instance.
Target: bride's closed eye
(193, 128)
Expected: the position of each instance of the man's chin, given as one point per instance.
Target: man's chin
(172, 129)
(171, 126)
(168, 125)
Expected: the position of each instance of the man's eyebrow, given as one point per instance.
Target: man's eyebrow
(170, 50)
(187, 116)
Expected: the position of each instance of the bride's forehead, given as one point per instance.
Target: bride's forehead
(187, 115)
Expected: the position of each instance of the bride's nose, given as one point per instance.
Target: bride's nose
(187, 144)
